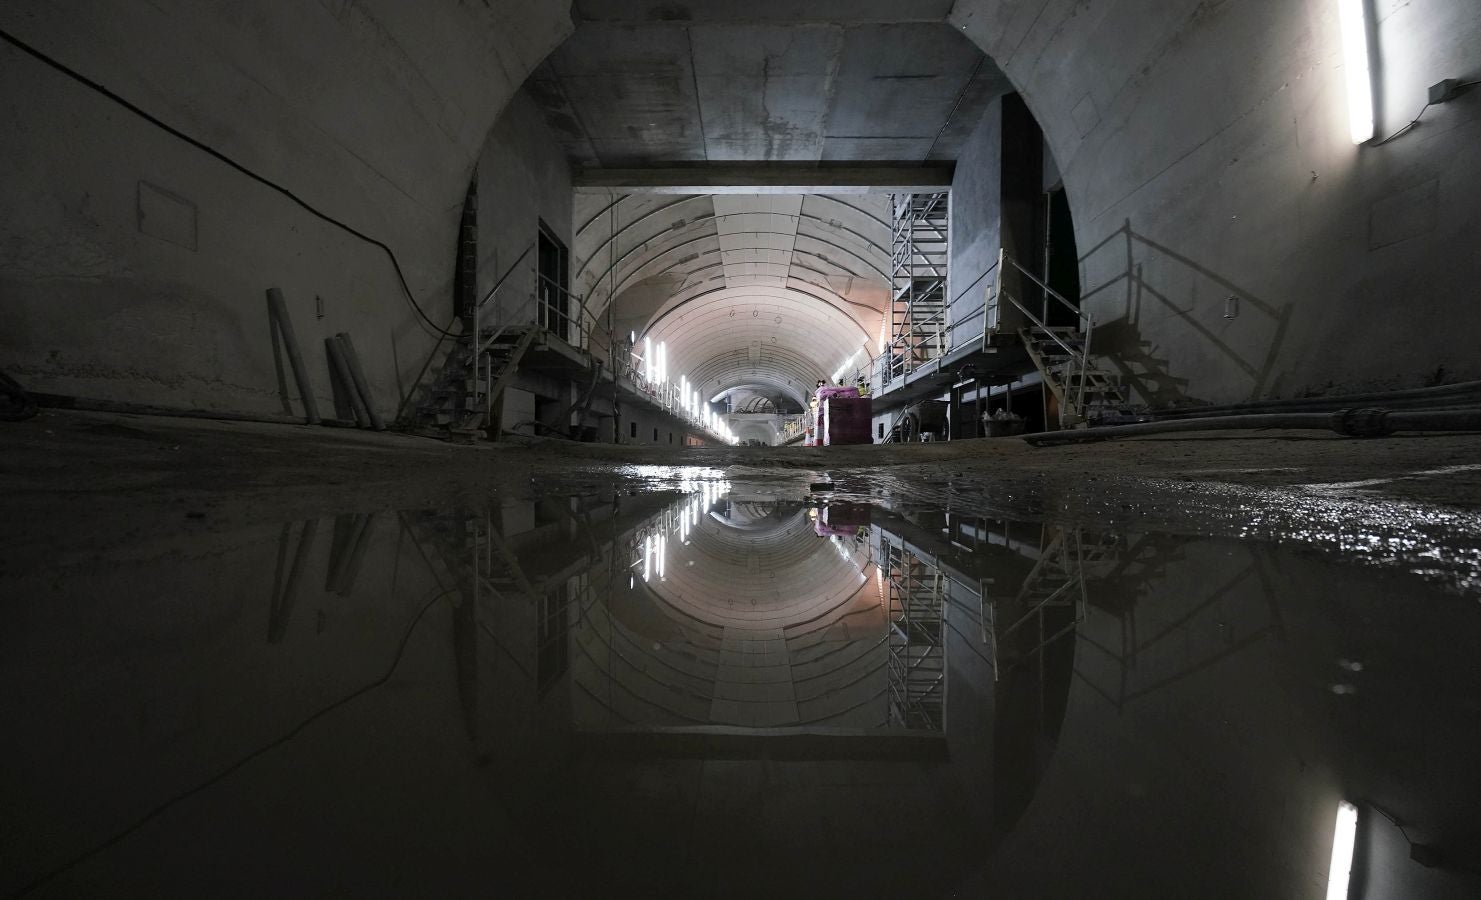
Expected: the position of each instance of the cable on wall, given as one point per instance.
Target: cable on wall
(211, 151)
(1414, 123)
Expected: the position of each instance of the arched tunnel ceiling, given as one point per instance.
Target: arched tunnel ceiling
(771, 290)
(735, 540)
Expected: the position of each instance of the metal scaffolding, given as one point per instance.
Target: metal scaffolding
(921, 252)
(917, 639)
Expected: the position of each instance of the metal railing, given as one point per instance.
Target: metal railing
(554, 313)
(1084, 322)
(548, 306)
(908, 353)
(667, 396)
(925, 343)
(792, 427)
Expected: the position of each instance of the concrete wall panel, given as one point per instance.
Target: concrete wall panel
(133, 266)
(1205, 151)
(976, 201)
(523, 180)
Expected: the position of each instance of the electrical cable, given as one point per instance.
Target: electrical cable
(1427, 855)
(1394, 819)
(211, 151)
(1464, 393)
(1414, 123)
(298, 729)
(1350, 422)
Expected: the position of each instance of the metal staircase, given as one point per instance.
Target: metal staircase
(917, 641)
(1049, 604)
(469, 553)
(918, 280)
(1087, 394)
(461, 401)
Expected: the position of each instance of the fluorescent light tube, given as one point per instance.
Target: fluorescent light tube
(1354, 15)
(1344, 840)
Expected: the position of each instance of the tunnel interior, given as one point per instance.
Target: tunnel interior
(440, 448)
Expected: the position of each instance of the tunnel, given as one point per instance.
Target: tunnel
(945, 447)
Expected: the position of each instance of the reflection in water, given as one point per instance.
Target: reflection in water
(721, 689)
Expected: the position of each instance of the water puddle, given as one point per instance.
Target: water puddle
(716, 682)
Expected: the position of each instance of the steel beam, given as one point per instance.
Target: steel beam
(730, 178)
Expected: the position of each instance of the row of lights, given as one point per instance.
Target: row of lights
(679, 520)
(682, 397)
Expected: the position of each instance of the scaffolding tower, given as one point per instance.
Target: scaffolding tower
(918, 327)
(916, 597)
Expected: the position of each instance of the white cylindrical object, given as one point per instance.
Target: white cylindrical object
(1355, 50)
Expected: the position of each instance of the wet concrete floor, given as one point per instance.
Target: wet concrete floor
(683, 681)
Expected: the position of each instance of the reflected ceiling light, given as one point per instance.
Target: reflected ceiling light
(1354, 15)
(1343, 842)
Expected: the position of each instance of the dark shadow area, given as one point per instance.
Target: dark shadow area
(1137, 357)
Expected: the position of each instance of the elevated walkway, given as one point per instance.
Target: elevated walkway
(999, 342)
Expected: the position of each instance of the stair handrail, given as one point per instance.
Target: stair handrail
(1071, 351)
(903, 345)
(579, 319)
(1082, 355)
(875, 363)
(448, 333)
(1050, 292)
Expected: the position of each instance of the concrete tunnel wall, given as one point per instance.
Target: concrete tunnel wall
(134, 266)
(1205, 151)
(1203, 144)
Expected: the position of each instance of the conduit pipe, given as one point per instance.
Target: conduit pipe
(1471, 390)
(278, 312)
(360, 384)
(341, 368)
(1350, 422)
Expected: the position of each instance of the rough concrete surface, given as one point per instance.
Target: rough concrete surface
(1206, 153)
(78, 484)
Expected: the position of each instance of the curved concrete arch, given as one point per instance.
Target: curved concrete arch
(616, 289)
(690, 273)
(616, 234)
(781, 297)
(592, 220)
(719, 349)
(679, 256)
(833, 297)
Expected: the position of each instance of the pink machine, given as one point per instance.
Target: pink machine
(840, 417)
